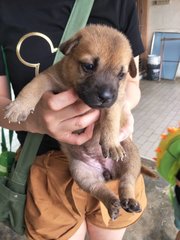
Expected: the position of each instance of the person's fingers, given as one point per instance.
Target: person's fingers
(58, 101)
(128, 127)
(82, 121)
(64, 131)
(73, 110)
(125, 132)
(59, 115)
(78, 139)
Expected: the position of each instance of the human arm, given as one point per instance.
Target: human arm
(57, 115)
(133, 95)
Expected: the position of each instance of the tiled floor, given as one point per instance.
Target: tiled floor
(159, 108)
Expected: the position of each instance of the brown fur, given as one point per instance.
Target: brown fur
(103, 157)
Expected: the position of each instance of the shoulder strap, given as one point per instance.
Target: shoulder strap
(77, 20)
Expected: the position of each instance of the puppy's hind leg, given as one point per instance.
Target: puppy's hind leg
(130, 169)
(92, 181)
(127, 194)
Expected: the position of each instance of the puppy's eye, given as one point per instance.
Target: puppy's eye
(121, 74)
(88, 67)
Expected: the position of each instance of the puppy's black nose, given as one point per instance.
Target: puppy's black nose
(105, 95)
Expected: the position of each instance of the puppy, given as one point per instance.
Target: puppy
(96, 62)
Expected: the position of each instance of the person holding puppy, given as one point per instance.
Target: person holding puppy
(56, 207)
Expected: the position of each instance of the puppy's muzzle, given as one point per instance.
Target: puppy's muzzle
(98, 96)
(105, 95)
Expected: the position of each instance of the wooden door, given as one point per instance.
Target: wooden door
(142, 8)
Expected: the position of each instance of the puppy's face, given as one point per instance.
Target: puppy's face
(97, 60)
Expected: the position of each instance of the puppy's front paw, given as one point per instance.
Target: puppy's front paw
(17, 112)
(112, 150)
(130, 205)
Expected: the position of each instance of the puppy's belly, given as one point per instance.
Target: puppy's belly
(98, 162)
(93, 158)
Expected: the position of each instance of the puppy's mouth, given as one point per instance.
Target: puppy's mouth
(98, 105)
(97, 99)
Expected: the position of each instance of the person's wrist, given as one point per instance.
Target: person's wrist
(31, 126)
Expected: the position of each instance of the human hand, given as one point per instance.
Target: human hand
(128, 123)
(59, 115)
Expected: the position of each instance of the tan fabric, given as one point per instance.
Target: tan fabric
(56, 206)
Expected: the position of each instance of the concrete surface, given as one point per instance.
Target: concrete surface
(157, 222)
(159, 108)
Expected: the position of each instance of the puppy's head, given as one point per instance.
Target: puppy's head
(96, 60)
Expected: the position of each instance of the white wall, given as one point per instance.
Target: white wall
(163, 18)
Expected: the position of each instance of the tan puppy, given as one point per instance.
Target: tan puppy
(96, 62)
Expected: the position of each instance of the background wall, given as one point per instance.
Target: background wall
(165, 18)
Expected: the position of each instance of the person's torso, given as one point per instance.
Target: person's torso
(29, 31)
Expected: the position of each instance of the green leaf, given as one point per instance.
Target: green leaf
(6, 161)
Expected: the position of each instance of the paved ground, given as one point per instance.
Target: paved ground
(159, 108)
(157, 222)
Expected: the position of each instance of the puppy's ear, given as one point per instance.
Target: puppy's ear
(67, 46)
(132, 68)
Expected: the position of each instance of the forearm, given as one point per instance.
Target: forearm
(133, 93)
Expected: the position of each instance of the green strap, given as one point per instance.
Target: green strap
(78, 19)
